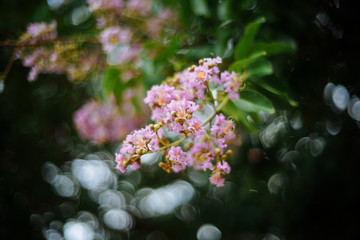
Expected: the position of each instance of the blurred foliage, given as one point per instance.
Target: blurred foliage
(293, 179)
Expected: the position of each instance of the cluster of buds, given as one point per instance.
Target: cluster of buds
(174, 109)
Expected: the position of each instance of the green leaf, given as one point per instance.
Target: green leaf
(259, 68)
(200, 8)
(272, 84)
(240, 64)
(274, 48)
(277, 87)
(254, 102)
(238, 115)
(111, 80)
(244, 46)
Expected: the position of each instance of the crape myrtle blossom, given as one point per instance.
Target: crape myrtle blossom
(232, 84)
(177, 159)
(105, 122)
(180, 120)
(173, 105)
(216, 178)
(223, 130)
(40, 31)
(137, 143)
(103, 5)
(114, 36)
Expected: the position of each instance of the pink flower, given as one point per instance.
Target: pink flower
(121, 160)
(140, 142)
(179, 117)
(231, 83)
(104, 122)
(191, 83)
(199, 157)
(40, 32)
(177, 159)
(114, 36)
(223, 128)
(158, 97)
(223, 166)
(141, 7)
(216, 179)
(101, 5)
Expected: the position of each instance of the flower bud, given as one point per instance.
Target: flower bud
(189, 117)
(157, 126)
(228, 152)
(138, 151)
(173, 113)
(177, 119)
(192, 68)
(217, 150)
(201, 62)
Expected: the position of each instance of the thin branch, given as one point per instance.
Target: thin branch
(9, 65)
(16, 44)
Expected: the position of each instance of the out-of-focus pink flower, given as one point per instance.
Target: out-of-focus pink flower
(140, 7)
(40, 32)
(104, 122)
(112, 37)
(102, 5)
(231, 83)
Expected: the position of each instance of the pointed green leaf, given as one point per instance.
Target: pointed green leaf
(244, 46)
(276, 86)
(200, 8)
(274, 48)
(111, 80)
(240, 64)
(259, 68)
(254, 102)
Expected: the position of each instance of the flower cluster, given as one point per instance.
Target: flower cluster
(107, 122)
(119, 41)
(61, 59)
(175, 105)
(38, 32)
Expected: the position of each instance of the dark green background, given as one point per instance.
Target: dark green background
(321, 199)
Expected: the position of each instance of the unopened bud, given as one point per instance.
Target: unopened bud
(209, 154)
(173, 113)
(191, 69)
(157, 126)
(228, 152)
(201, 62)
(189, 117)
(224, 157)
(151, 126)
(188, 145)
(167, 157)
(217, 150)
(138, 151)
(143, 151)
(210, 65)
(177, 119)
